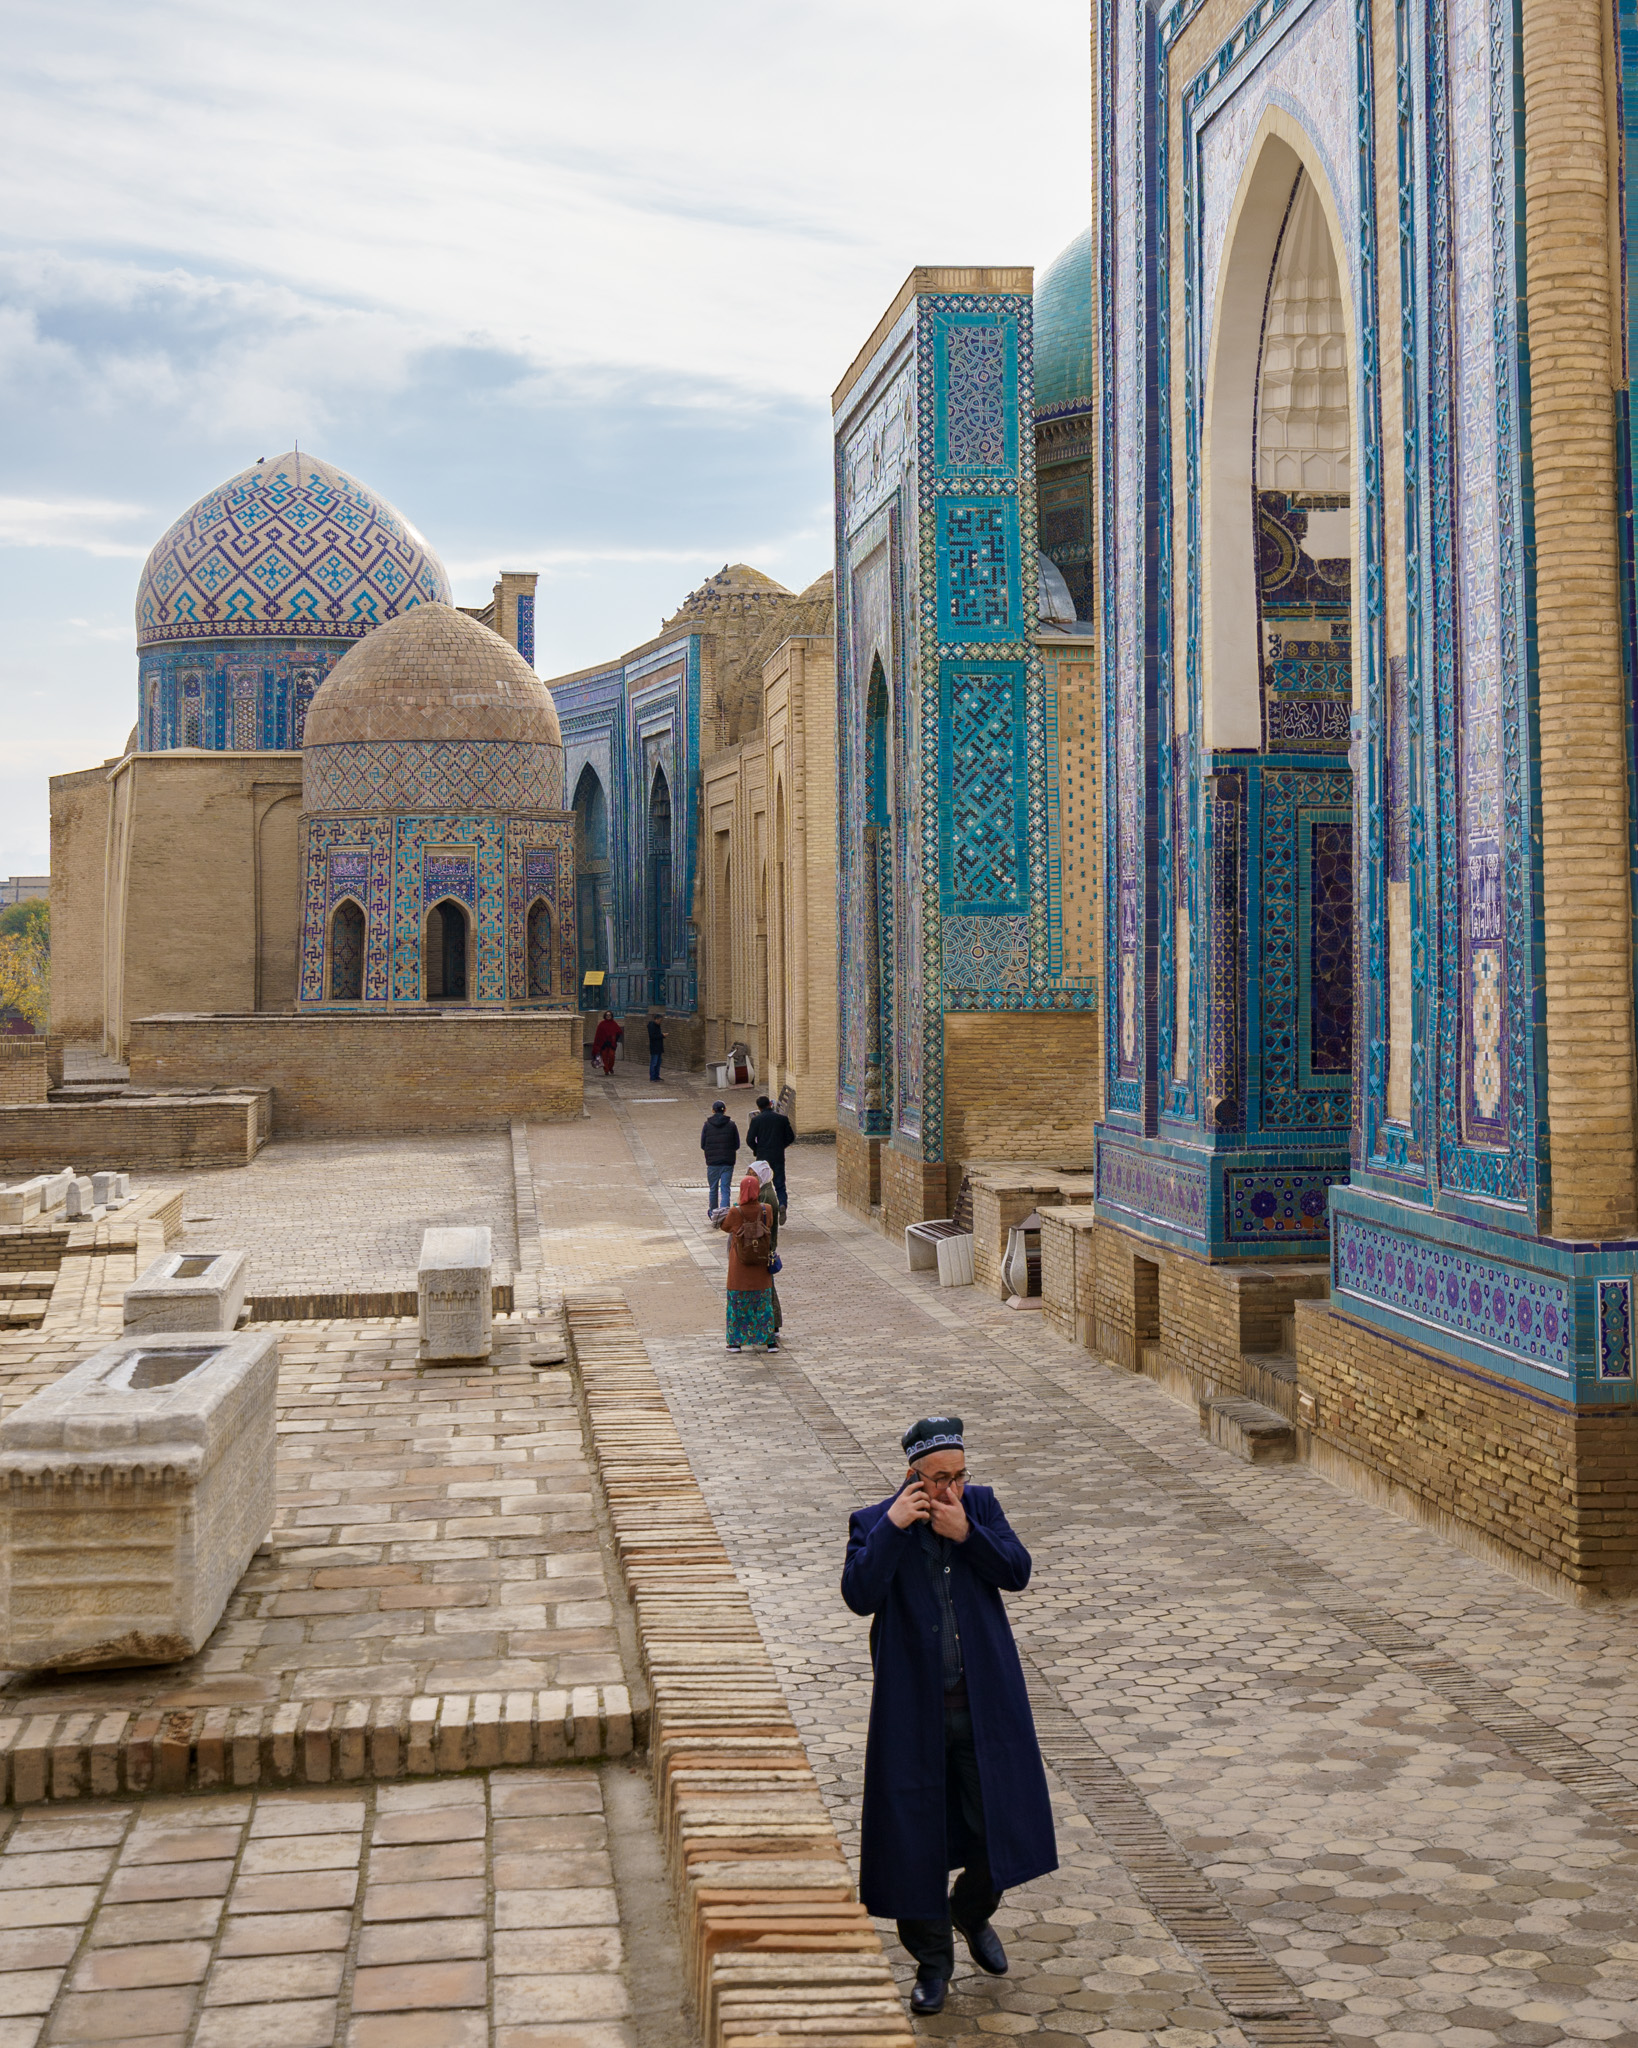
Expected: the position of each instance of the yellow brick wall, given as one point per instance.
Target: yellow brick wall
(130, 1137)
(1586, 895)
(203, 885)
(1525, 1476)
(22, 1069)
(335, 1075)
(1021, 1086)
(79, 858)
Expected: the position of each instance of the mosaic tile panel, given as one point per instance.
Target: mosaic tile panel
(526, 627)
(230, 694)
(400, 775)
(1615, 1329)
(293, 547)
(1298, 806)
(981, 753)
(1259, 1205)
(1153, 1189)
(1526, 1316)
(398, 867)
(978, 426)
(981, 596)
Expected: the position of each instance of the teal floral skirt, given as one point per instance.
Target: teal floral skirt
(751, 1315)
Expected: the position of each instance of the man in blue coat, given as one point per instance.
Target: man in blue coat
(953, 1772)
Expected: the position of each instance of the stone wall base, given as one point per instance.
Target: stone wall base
(858, 1174)
(336, 1074)
(1548, 1491)
(912, 1190)
(134, 1134)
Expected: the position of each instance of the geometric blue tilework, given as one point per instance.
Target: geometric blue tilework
(979, 595)
(1523, 1315)
(1615, 1329)
(983, 771)
(288, 547)
(1264, 1204)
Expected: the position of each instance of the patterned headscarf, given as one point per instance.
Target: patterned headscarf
(750, 1190)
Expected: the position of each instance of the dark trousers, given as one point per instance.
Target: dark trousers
(975, 1898)
(722, 1185)
(654, 1066)
(778, 1166)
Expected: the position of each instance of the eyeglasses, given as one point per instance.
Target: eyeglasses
(932, 1479)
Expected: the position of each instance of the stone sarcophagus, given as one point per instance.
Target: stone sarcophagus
(187, 1291)
(134, 1491)
(455, 1282)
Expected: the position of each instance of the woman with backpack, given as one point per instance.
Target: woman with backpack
(750, 1284)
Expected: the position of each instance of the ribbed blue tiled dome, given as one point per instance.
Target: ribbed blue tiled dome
(1063, 330)
(291, 547)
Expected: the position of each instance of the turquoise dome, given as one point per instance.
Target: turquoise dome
(1063, 331)
(289, 548)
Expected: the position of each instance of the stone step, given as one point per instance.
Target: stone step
(1249, 1431)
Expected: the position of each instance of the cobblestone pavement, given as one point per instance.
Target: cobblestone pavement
(507, 1909)
(341, 1213)
(1308, 1758)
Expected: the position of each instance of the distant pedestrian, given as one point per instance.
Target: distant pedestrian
(750, 1228)
(767, 1134)
(952, 1770)
(764, 1175)
(656, 1046)
(606, 1041)
(719, 1141)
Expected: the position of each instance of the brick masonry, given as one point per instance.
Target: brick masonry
(1021, 1086)
(22, 1071)
(1513, 1474)
(121, 1135)
(334, 1075)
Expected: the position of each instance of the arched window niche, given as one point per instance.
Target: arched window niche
(347, 934)
(1278, 425)
(446, 952)
(538, 949)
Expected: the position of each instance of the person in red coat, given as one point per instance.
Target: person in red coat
(953, 1774)
(606, 1040)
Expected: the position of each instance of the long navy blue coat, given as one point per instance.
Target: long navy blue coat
(913, 1832)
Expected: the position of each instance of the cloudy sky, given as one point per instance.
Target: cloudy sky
(568, 283)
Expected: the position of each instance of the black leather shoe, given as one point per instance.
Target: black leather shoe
(927, 1994)
(984, 1946)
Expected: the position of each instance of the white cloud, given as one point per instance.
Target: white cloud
(72, 523)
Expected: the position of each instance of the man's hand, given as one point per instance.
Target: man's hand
(913, 1506)
(949, 1519)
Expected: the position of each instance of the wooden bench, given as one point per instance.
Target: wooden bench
(945, 1242)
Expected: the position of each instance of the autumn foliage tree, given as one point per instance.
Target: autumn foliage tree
(25, 961)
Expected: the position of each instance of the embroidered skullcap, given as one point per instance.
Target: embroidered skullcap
(932, 1433)
(762, 1170)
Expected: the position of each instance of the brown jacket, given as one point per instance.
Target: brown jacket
(743, 1279)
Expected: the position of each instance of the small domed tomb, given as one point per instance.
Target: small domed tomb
(438, 859)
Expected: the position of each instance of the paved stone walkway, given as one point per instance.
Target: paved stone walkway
(1319, 1776)
(339, 1213)
(1272, 1710)
(523, 1909)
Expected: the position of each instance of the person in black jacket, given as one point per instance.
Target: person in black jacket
(719, 1141)
(656, 1046)
(767, 1134)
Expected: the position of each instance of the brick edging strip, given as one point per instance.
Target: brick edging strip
(777, 1948)
(307, 1742)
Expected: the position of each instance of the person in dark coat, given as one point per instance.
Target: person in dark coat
(656, 1045)
(768, 1133)
(719, 1141)
(953, 1774)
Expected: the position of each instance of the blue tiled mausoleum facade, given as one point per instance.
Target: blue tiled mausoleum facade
(1367, 703)
(950, 845)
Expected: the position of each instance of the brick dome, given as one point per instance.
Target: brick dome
(433, 674)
